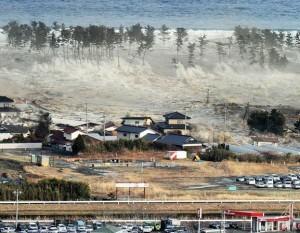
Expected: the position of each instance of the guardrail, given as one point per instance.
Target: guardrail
(152, 202)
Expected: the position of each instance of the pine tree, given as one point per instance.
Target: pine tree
(164, 33)
(202, 43)
(289, 40)
(191, 49)
(180, 36)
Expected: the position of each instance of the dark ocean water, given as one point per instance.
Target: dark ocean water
(196, 14)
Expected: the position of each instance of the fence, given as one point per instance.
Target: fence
(20, 146)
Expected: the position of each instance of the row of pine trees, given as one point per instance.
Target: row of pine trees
(99, 42)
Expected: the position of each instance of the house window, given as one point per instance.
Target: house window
(136, 136)
(125, 134)
(137, 122)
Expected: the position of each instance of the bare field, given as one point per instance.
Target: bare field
(174, 182)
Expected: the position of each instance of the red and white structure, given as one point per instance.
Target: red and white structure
(262, 223)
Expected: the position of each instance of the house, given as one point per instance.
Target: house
(71, 133)
(10, 131)
(179, 142)
(137, 121)
(264, 140)
(150, 137)
(133, 132)
(175, 122)
(59, 142)
(88, 127)
(6, 102)
(7, 107)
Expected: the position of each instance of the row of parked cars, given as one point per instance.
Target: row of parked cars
(272, 181)
(76, 227)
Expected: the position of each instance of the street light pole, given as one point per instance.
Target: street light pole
(17, 192)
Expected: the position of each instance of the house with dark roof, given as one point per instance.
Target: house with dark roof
(175, 123)
(5, 102)
(133, 132)
(10, 131)
(179, 142)
(71, 133)
(137, 121)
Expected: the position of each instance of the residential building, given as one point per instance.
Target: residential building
(58, 142)
(6, 102)
(10, 131)
(179, 142)
(175, 123)
(71, 133)
(265, 140)
(138, 121)
(133, 132)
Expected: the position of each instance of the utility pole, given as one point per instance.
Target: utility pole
(207, 96)
(225, 121)
(86, 117)
(291, 213)
(199, 219)
(104, 126)
(17, 192)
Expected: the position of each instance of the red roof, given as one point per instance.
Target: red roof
(274, 219)
(244, 213)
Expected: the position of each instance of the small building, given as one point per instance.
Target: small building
(71, 133)
(179, 141)
(265, 140)
(175, 122)
(10, 131)
(133, 132)
(137, 121)
(58, 142)
(6, 102)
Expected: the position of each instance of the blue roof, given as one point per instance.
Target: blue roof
(150, 137)
(131, 129)
(177, 140)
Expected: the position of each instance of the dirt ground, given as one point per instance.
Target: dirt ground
(176, 180)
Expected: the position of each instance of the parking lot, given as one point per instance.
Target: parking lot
(289, 181)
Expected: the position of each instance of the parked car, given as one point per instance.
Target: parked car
(43, 229)
(278, 185)
(240, 179)
(251, 181)
(287, 184)
(276, 178)
(89, 228)
(71, 228)
(32, 228)
(260, 185)
(53, 229)
(97, 225)
(62, 228)
(147, 228)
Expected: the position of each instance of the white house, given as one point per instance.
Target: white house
(71, 133)
(137, 121)
(264, 140)
(133, 132)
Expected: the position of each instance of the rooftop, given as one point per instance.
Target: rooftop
(151, 137)
(4, 99)
(131, 129)
(164, 125)
(70, 129)
(176, 115)
(136, 118)
(177, 140)
(14, 129)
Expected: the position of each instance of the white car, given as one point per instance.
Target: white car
(287, 184)
(71, 228)
(32, 228)
(53, 229)
(98, 225)
(260, 185)
(251, 181)
(292, 177)
(81, 229)
(7, 229)
(62, 228)
(278, 185)
(43, 229)
(89, 228)
(147, 229)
